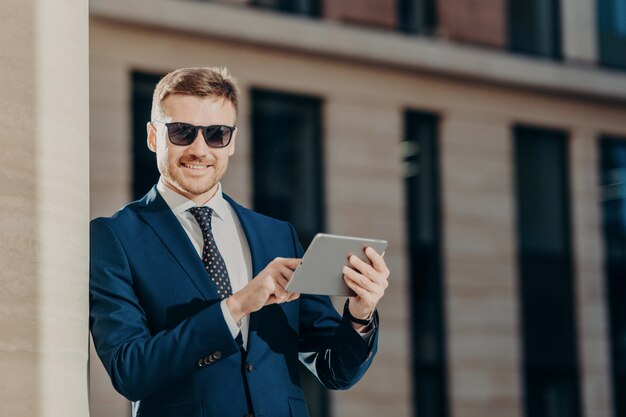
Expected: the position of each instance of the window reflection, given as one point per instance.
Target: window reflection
(613, 183)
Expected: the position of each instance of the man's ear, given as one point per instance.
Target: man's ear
(231, 145)
(151, 140)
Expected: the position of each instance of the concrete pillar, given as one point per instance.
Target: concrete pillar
(580, 30)
(44, 208)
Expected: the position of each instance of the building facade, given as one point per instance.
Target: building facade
(485, 140)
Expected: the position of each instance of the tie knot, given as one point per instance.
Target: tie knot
(202, 216)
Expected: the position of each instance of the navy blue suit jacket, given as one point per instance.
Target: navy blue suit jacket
(158, 327)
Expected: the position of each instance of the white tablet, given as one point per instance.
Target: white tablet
(320, 270)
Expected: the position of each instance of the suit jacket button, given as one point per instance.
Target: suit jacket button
(249, 367)
(217, 355)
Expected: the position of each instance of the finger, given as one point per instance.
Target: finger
(363, 267)
(273, 284)
(271, 300)
(374, 288)
(285, 272)
(378, 261)
(360, 292)
(363, 297)
(360, 279)
(291, 263)
(279, 289)
(280, 281)
(281, 277)
(292, 296)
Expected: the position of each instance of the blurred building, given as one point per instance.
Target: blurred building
(485, 139)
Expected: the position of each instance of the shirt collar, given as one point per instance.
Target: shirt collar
(179, 204)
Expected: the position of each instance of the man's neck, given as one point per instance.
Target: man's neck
(199, 199)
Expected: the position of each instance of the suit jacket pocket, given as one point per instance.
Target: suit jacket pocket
(297, 407)
(179, 410)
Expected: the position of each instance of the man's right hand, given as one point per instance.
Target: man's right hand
(266, 288)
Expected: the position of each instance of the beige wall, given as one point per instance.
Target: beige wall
(371, 13)
(44, 209)
(589, 272)
(481, 283)
(362, 132)
(481, 22)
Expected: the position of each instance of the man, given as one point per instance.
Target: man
(189, 312)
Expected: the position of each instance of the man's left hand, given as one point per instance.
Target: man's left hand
(368, 282)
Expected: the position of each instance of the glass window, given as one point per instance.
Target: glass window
(619, 17)
(417, 16)
(304, 7)
(144, 170)
(612, 32)
(550, 348)
(534, 27)
(613, 177)
(421, 162)
(288, 180)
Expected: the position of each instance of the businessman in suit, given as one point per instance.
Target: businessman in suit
(188, 308)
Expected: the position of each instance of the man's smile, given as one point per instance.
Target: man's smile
(194, 166)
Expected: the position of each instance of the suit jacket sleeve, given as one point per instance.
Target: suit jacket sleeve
(138, 361)
(329, 346)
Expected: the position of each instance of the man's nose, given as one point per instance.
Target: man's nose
(199, 146)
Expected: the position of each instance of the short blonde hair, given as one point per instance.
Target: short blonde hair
(201, 82)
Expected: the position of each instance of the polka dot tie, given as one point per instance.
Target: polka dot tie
(211, 256)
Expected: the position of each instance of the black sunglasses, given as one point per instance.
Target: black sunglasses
(183, 134)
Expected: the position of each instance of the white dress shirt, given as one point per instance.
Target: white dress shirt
(229, 238)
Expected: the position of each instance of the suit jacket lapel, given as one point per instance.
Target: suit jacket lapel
(157, 214)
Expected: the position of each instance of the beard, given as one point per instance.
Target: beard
(174, 174)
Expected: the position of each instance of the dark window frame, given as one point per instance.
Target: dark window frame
(611, 45)
(144, 171)
(317, 396)
(614, 241)
(524, 37)
(311, 8)
(259, 162)
(550, 354)
(417, 16)
(423, 211)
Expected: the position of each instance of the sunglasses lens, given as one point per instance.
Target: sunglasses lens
(217, 136)
(181, 133)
